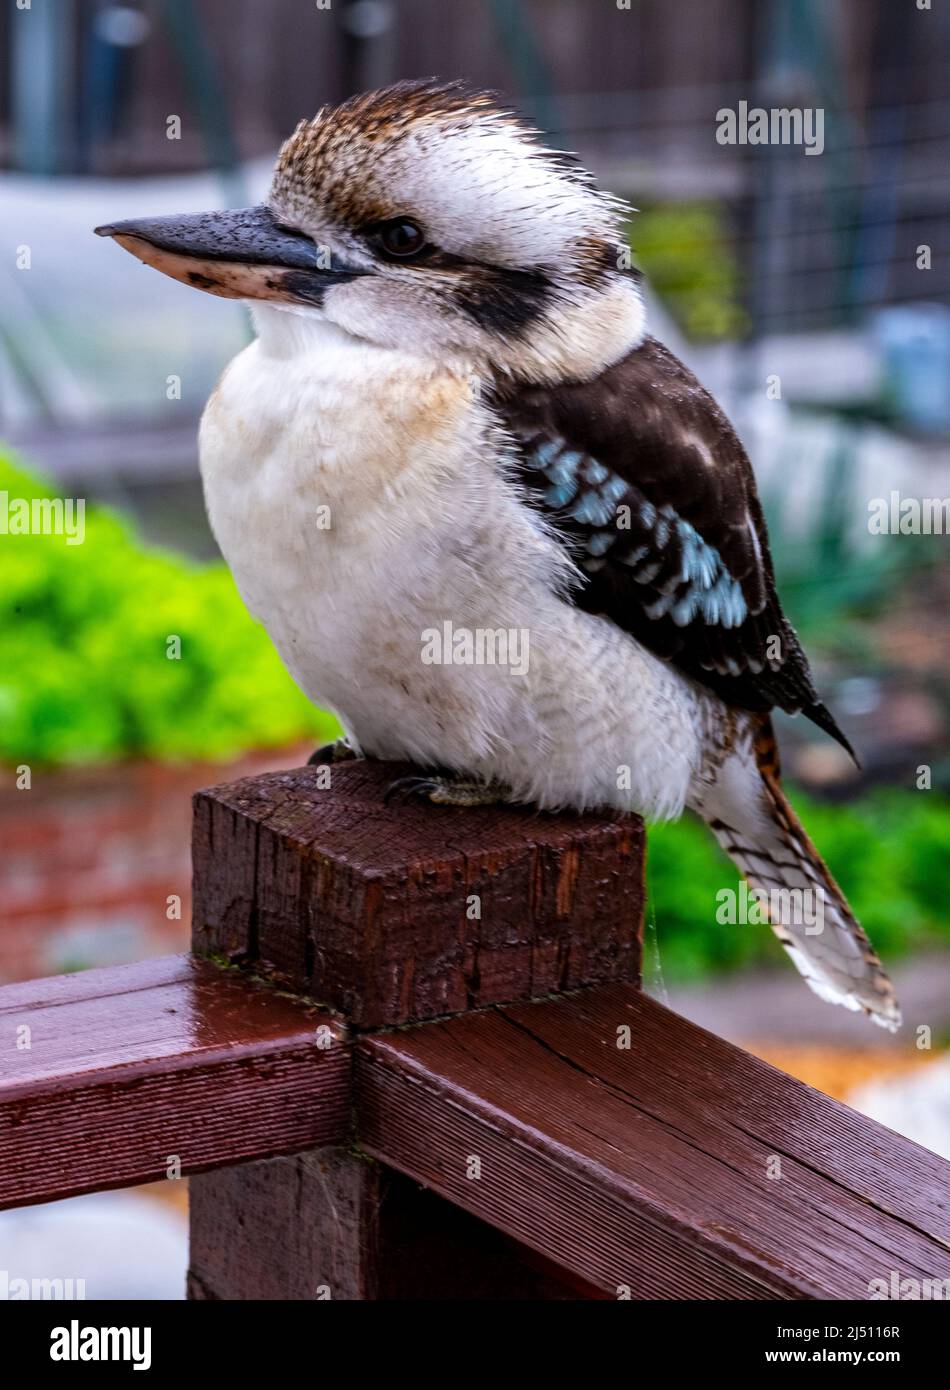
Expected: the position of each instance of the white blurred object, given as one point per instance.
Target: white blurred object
(915, 341)
(123, 1245)
(917, 1106)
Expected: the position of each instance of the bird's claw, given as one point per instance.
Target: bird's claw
(409, 789)
(444, 791)
(338, 752)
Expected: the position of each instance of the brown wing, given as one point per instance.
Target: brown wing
(641, 471)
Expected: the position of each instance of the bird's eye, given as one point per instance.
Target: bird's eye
(401, 239)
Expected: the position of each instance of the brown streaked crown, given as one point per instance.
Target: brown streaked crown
(326, 155)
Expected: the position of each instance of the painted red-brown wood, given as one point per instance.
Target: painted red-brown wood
(680, 1167)
(334, 1225)
(109, 1076)
(390, 914)
(303, 1228)
(394, 913)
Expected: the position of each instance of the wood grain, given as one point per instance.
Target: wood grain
(332, 1225)
(390, 913)
(647, 1170)
(401, 912)
(129, 1068)
(299, 1229)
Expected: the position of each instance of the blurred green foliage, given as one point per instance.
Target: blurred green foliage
(86, 676)
(684, 250)
(889, 851)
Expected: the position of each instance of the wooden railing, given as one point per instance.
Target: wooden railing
(410, 1059)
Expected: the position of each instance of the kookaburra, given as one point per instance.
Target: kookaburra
(453, 421)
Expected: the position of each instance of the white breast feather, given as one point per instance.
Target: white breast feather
(425, 529)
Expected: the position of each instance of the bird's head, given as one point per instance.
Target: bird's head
(424, 217)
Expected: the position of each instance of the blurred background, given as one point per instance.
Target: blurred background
(810, 294)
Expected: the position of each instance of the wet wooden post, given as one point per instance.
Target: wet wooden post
(386, 915)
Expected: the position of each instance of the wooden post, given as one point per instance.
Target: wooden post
(386, 915)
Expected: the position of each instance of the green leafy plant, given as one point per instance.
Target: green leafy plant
(87, 674)
(890, 852)
(684, 250)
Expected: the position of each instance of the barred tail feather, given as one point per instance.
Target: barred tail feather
(759, 830)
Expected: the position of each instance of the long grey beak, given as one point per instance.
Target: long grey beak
(242, 254)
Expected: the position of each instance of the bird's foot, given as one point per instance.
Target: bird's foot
(446, 790)
(339, 752)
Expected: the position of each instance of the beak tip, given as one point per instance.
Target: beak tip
(107, 229)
